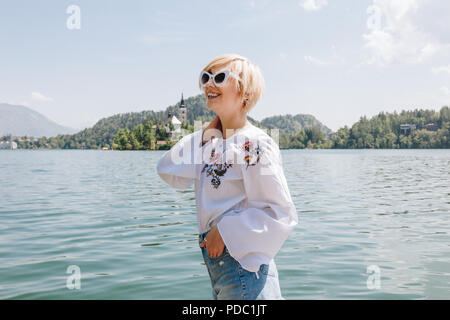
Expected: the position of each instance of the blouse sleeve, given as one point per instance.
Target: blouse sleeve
(254, 235)
(178, 166)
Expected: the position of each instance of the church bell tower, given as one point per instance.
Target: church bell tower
(182, 112)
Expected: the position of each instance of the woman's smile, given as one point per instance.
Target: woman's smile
(212, 95)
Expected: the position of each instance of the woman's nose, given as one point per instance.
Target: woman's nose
(210, 83)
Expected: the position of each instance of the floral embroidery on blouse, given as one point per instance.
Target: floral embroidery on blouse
(252, 154)
(214, 169)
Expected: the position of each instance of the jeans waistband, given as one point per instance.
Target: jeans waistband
(202, 236)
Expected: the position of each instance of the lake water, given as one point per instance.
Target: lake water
(364, 216)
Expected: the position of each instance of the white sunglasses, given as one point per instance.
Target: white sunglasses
(219, 78)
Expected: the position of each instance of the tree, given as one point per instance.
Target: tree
(341, 138)
(405, 142)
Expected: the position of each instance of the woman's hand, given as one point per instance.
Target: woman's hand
(214, 243)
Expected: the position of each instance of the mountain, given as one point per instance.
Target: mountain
(23, 121)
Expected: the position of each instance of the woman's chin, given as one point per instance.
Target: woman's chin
(211, 105)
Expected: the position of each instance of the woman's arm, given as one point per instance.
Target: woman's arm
(179, 166)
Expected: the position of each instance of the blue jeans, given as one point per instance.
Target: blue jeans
(232, 282)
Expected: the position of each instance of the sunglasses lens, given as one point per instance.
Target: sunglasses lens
(219, 78)
(205, 78)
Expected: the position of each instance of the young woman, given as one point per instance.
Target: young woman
(244, 208)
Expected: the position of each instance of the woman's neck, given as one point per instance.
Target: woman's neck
(232, 125)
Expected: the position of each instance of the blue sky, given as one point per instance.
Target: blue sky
(335, 59)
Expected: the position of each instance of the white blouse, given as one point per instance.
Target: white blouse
(240, 187)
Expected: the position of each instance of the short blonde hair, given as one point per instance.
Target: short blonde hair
(252, 81)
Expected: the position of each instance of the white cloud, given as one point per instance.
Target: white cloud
(313, 5)
(37, 96)
(444, 69)
(399, 38)
(315, 61)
